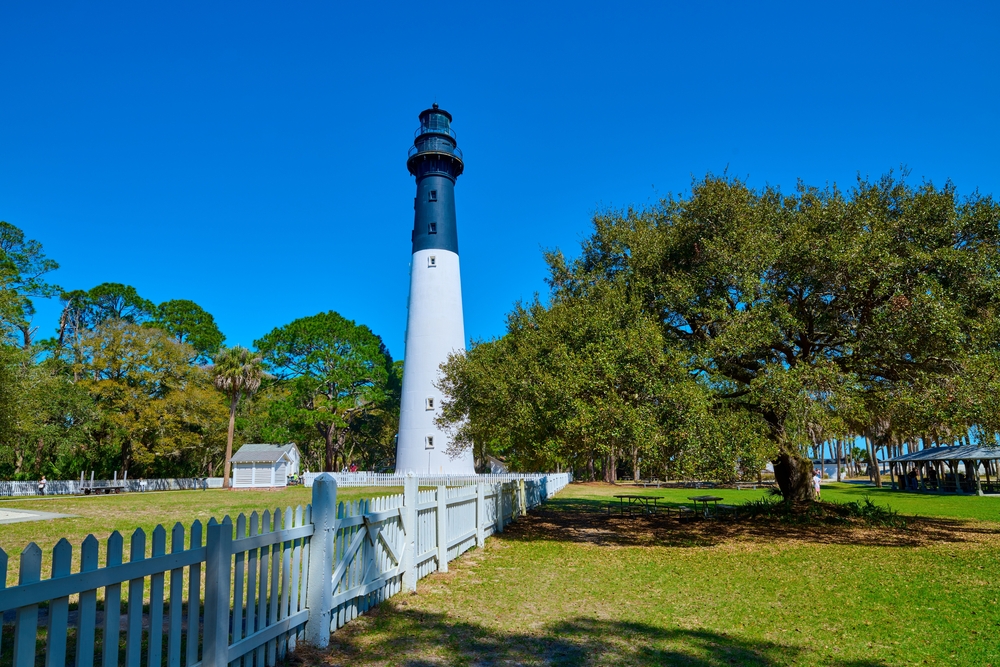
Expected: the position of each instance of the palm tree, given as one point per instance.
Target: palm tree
(237, 372)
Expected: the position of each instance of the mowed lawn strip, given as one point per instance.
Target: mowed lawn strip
(986, 508)
(103, 514)
(570, 586)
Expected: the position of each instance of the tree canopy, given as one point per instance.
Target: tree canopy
(189, 323)
(798, 312)
(336, 371)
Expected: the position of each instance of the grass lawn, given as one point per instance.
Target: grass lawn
(102, 515)
(570, 586)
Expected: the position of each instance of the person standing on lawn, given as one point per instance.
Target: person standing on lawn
(41, 486)
(816, 481)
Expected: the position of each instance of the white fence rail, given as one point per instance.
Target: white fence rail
(256, 587)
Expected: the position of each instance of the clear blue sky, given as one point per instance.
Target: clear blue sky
(251, 156)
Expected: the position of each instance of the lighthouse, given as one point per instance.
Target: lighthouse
(434, 323)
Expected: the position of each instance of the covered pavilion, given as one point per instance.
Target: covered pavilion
(936, 470)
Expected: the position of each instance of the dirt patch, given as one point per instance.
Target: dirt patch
(587, 526)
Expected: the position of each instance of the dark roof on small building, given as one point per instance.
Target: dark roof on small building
(958, 453)
(259, 453)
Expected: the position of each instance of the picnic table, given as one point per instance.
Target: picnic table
(637, 501)
(705, 500)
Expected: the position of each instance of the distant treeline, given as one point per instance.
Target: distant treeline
(126, 384)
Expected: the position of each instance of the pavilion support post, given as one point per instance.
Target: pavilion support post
(979, 484)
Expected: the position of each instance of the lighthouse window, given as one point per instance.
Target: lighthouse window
(429, 442)
(432, 228)
(432, 261)
(429, 404)
(432, 196)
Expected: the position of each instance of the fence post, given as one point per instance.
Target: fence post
(523, 506)
(215, 649)
(442, 528)
(498, 499)
(480, 513)
(411, 489)
(319, 583)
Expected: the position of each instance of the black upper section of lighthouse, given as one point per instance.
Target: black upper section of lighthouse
(436, 161)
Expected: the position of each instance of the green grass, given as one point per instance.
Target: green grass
(985, 508)
(570, 586)
(101, 515)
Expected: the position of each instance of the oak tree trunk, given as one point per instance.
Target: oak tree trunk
(794, 477)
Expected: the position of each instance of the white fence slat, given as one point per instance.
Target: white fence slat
(194, 602)
(286, 582)
(265, 527)
(26, 621)
(87, 608)
(442, 529)
(238, 577)
(272, 616)
(296, 559)
(133, 628)
(155, 635)
(55, 653)
(176, 608)
(218, 566)
(112, 604)
(3, 585)
(251, 592)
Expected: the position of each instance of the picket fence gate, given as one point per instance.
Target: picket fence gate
(255, 587)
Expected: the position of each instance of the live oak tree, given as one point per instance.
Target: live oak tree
(335, 371)
(814, 306)
(158, 412)
(585, 382)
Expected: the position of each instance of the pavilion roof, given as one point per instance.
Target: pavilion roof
(957, 453)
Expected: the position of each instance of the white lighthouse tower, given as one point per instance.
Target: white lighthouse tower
(434, 324)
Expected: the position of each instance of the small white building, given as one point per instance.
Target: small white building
(257, 465)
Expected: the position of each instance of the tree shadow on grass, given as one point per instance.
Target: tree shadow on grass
(394, 635)
(587, 521)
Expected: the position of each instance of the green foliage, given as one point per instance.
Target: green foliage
(760, 314)
(335, 371)
(8, 400)
(114, 301)
(22, 267)
(158, 410)
(125, 385)
(865, 511)
(872, 514)
(591, 378)
(189, 323)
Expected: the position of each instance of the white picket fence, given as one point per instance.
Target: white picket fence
(73, 487)
(355, 479)
(258, 585)
(344, 479)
